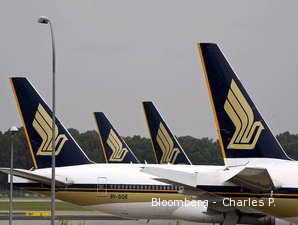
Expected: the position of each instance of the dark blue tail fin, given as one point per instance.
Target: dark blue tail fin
(241, 129)
(166, 147)
(37, 121)
(114, 147)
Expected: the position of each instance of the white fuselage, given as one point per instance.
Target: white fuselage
(126, 191)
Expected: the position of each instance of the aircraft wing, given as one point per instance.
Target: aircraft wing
(188, 181)
(30, 175)
(256, 179)
(184, 179)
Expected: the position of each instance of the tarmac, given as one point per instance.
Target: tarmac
(83, 218)
(28, 200)
(102, 222)
(77, 217)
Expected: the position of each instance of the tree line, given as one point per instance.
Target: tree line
(199, 150)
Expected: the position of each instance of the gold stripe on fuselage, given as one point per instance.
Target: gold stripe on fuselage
(284, 207)
(97, 198)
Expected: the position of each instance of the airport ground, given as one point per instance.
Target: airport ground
(33, 211)
(97, 222)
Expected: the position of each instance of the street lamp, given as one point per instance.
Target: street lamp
(45, 20)
(12, 130)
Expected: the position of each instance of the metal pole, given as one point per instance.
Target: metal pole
(11, 182)
(53, 203)
(45, 20)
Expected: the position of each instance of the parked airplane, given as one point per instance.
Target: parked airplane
(165, 145)
(113, 146)
(257, 168)
(119, 189)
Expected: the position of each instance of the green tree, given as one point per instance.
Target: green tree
(200, 150)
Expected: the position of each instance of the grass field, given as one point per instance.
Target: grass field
(40, 206)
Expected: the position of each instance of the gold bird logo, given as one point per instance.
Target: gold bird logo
(117, 147)
(42, 123)
(247, 131)
(169, 153)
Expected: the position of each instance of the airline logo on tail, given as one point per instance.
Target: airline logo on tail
(42, 123)
(165, 142)
(247, 131)
(116, 145)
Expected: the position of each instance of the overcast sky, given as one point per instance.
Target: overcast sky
(114, 54)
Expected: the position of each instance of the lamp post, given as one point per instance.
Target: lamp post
(12, 130)
(45, 20)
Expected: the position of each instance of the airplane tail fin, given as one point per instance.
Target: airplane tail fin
(242, 131)
(166, 146)
(114, 147)
(37, 121)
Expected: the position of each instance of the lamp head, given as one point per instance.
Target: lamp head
(43, 20)
(13, 129)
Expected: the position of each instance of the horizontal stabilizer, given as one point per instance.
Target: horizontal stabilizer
(29, 175)
(254, 179)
